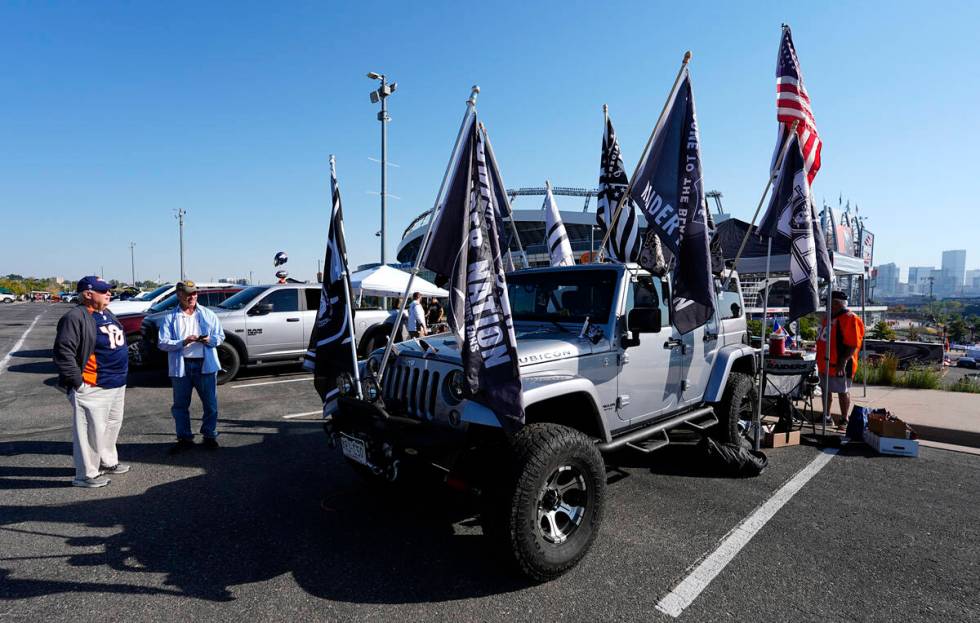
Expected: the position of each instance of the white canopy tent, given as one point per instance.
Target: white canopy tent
(388, 281)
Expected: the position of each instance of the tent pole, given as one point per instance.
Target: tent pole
(826, 337)
(864, 321)
(762, 375)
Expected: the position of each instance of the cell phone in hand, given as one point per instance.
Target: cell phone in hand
(201, 338)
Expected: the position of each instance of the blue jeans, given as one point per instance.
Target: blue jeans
(207, 390)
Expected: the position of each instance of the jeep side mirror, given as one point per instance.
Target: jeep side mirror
(260, 309)
(644, 320)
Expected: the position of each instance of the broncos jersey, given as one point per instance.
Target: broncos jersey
(108, 365)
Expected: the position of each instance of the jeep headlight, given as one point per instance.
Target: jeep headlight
(455, 386)
(370, 389)
(345, 384)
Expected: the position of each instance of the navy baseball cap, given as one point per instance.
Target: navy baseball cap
(92, 283)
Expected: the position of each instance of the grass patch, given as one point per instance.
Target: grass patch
(919, 377)
(882, 372)
(965, 384)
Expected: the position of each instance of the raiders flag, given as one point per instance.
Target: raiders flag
(331, 351)
(502, 209)
(668, 189)
(465, 246)
(559, 249)
(791, 215)
(624, 239)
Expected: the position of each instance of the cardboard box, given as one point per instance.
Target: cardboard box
(891, 445)
(778, 440)
(896, 429)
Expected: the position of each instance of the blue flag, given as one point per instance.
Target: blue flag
(669, 191)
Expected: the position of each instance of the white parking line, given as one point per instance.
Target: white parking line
(674, 603)
(305, 378)
(295, 415)
(20, 342)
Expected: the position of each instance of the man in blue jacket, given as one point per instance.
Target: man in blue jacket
(190, 335)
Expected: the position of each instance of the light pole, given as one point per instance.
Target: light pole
(132, 261)
(381, 95)
(179, 215)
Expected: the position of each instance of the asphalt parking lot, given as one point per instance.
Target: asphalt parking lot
(274, 525)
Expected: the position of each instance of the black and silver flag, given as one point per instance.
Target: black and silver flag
(669, 191)
(559, 249)
(791, 216)
(331, 351)
(624, 240)
(505, 229)
(465, 247)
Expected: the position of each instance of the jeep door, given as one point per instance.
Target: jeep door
(278, 333)
(642, 389)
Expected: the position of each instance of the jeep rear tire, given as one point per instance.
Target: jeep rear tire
(230, 363)
(737, 403)
(551, 507)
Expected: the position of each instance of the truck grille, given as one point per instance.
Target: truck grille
(411, 390)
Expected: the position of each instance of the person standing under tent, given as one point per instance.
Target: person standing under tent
(416, 317)
(845, 335)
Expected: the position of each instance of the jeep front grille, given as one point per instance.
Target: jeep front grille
(412, 390)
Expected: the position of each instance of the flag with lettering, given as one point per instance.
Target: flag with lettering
(513, 258)
(559, 249)
(791, 216)
(793, 106)
(669, 192)
(331, 350)
(465, 247)
(624, 240)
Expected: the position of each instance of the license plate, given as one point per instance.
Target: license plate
(353, 449)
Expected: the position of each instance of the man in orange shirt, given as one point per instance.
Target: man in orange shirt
(846, 334)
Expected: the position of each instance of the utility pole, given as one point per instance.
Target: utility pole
(132, 261)
(381, 95)
(179, 215)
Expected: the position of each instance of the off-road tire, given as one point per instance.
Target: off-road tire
(230, 362)
(737, 403)
(517, 508)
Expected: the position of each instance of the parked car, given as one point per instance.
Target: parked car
(269, 324)
(624, 384)
(966, 362)
(7, 297)
(139, 353)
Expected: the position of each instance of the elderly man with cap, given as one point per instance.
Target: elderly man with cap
(92, 358)
(190, 335)
(845, 335)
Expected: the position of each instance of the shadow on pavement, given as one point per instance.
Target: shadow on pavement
(267, 504)
(45, 353)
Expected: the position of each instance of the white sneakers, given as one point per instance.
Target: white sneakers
(91, 483)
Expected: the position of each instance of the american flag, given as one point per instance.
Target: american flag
(793, 104)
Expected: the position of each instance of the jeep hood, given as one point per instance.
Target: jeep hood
(533, 347)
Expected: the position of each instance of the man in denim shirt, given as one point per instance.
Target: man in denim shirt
(190, 335)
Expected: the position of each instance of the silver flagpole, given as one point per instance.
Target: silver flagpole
(660, 120)
(510, 210)
(864, 321)
(347, 293)
(470, 111)
(762, 373)
(826, 337)
(772, 176)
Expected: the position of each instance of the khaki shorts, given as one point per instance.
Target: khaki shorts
(838, 384)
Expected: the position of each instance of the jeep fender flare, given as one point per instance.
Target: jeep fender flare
(538, 390)
(736, 357)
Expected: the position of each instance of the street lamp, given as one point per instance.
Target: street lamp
(381, 95)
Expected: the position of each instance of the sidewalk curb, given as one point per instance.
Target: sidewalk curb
(946, 435)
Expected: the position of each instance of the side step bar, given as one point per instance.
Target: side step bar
(632, 439)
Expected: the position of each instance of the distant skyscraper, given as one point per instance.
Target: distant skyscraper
(972, 279)
(886, 283)
(954, 270)
(919, 279)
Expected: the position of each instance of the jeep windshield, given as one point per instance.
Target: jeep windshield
(243, 298)
(562, 295)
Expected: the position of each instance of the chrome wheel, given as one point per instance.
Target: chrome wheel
(562, 504)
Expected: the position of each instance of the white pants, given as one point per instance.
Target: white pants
(98, 418)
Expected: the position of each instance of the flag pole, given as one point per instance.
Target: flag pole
(826, 337)
(347, 290)
(773, 174)
(510, 210)
(626, 196)
(762, 343)
(470, 112)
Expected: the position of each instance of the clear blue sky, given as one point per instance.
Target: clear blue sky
(114, 114)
